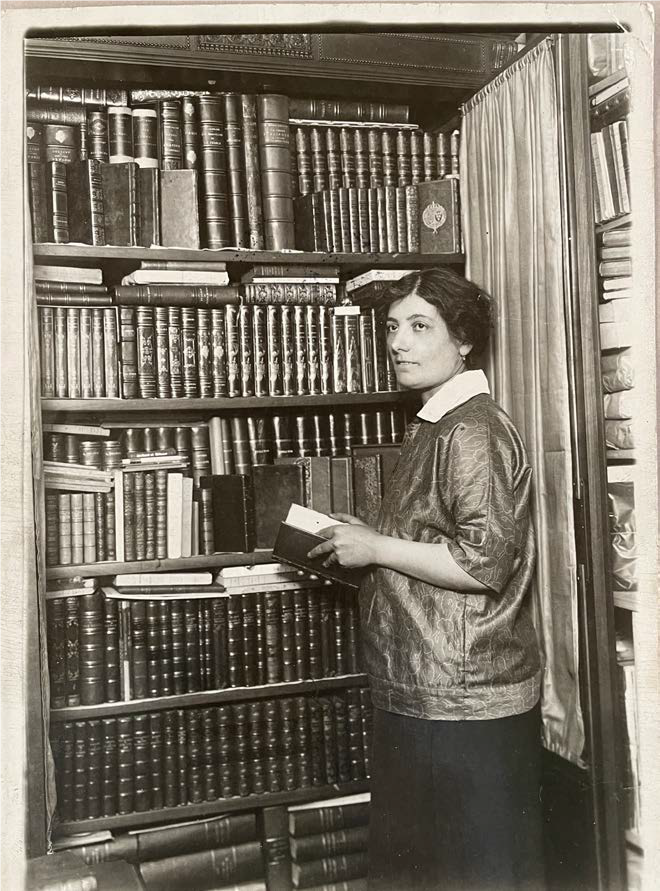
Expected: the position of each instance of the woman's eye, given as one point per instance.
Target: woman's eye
(391, 329)
(419, 326)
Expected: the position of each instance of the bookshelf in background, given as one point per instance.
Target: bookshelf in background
(622, 378)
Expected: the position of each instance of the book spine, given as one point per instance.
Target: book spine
(218, 353)
(252, 172)
(403, 158)
(236, 173)
(120, 134)
(275, 165)
(47, 351)
(189, 352)
(189, 134)
(111, 650)
(304, 161)
(441, 152)
(318, 159)
(312, 338)
(417, 157)
(60, 143)
(390, 196)
(260, 349)
(73, 351)
(89, 530)
(429, 161)
(41, 222)
(56, 623)
(204, 355)
(145, 137)
(246, 351)
(412, 218)
(273, 351)
(57, 201)
(333, 159)
(34, 148)
(354, 220)
(232, 340)
(97, 130)
(110, 366)
(175, 351)
(353, 360)
(146, 352)
(92, 649)
(171, 136)
(375, 158)
(86, 354)
(214, 171)
(401, 219)
(287, 329)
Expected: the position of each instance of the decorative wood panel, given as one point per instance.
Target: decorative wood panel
(292, 45)
(454, 61)
(174, 42)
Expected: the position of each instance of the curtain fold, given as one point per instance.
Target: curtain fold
(511, 209)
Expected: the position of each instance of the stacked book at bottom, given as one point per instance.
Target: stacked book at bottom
(220, 854)
(328, 844)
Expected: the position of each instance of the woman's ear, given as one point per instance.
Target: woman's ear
(464, 349)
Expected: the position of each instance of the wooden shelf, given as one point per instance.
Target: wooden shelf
(212, 405)
(47, 253)
(207, 697)
(205, 561)
(627, 600)
(210, 808)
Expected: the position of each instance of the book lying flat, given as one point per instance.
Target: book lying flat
(297, 536)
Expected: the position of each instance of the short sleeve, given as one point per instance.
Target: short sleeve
(480, 492)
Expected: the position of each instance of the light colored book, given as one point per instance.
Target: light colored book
(186, 516)
(161, 579)
(376, 275)
(78, 274)
(216, 449)
(174, 509)
(310, 520)
(119, 516)
(76, 429)
(176, 277)
(203, 594)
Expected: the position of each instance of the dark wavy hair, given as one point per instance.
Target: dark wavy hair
(465, 308)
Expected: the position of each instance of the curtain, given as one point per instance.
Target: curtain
(511, 214)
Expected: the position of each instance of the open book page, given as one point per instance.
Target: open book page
(309, 520)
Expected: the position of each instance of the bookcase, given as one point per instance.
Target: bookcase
(628, 401)
(353, 81)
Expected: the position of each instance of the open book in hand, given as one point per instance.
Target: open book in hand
(299, 533)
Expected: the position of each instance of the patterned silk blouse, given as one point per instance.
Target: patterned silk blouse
(441, 654)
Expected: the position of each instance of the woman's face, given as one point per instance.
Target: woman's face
(424, 354)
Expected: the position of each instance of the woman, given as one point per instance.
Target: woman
(450, 649)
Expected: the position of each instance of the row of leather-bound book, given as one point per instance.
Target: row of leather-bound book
(208, 170)
(174, 352)
(115, 645)
(142, 762)
(316, 845)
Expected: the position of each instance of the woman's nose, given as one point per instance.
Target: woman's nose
(398, 340)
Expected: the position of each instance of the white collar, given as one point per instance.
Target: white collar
(454, 392)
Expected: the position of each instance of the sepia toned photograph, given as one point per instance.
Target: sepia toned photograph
(329, 447)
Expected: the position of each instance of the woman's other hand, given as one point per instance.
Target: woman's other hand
(352, 545)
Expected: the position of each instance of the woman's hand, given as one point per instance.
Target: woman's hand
(352, 545)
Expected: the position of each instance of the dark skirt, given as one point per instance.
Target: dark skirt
(456, 804)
